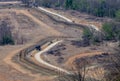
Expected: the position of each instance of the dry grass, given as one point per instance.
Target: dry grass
(30, 26)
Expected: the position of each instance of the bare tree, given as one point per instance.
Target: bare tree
(78, 72)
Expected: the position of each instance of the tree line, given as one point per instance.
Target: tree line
(100, 8)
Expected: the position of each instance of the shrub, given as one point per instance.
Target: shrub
(5, 34)
(118, 15)
(111, 31)
(7, 40)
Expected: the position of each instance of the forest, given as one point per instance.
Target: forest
(100, 8)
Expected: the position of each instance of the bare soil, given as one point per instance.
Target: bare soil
(25, 29)
(29, 26)
(65, 54)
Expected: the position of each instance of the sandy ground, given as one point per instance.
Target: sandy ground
(31, 26)
(32, 29)
(35, 32)
(7, 72)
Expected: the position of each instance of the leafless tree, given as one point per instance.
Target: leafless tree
(78, 72)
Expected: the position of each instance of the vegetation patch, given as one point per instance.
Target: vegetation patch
(5, 34)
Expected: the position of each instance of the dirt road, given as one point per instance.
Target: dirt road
(39, 59)
(65, 18)
(72, 59)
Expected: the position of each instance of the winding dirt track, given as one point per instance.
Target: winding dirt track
(65, 18)
(37, 56)
(39, 59)
(72, 59)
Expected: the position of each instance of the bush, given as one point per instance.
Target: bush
(118, 15)
(108, 31)
(91, 36)
(5, 34)
(7, 40)
(111, 31)
(87, 33)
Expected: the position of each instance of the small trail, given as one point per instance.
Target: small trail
(72, 58)
(65, 18)
(39, 59)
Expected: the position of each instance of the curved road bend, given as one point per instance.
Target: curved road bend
(39, 59)
(65, 18)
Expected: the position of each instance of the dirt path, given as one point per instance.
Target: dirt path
(53, 13)
(37, 77)
(70, 61)
(67, 19)
(39, 59)
(8, 59)
(37, 56)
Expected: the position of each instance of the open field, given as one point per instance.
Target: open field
(26, 28)
(39, 56)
